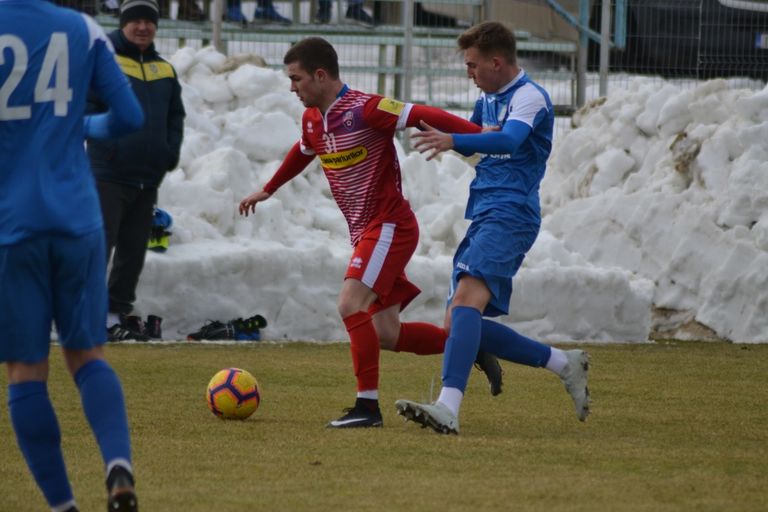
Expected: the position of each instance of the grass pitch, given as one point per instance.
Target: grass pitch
(675, 426)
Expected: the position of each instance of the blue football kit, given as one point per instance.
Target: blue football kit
(46, 184)
(49, 59)
(52, 254)
(504, 209)
(503, 200)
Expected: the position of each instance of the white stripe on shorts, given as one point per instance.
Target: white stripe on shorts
(380, 252)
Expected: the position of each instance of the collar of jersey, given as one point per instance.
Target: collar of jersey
(343, 91)
(511, 84)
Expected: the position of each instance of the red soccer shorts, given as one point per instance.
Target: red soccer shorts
(379, 260)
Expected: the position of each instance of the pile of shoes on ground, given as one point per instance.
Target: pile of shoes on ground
(248, 329)
(132, 327)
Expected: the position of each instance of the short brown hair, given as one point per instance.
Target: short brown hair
(313, 53)
(490, 38)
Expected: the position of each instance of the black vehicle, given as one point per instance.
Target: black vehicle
(691, 38)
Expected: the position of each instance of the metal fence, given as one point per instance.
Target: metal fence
(698, 39)
(410, 52)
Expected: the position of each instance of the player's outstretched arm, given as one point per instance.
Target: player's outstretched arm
(503, 141)
(295, 162)
(440, 119)
(248, 205)
(124, 116)
(431, 140)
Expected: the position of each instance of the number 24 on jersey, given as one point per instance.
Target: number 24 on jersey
(52, 82)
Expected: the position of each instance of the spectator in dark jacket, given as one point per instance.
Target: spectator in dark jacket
(129, 169)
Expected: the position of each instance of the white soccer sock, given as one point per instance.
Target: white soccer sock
(557, 361)
(119, 462)
(370, 394)
(112, 319)
(451, 398)
(64, 506)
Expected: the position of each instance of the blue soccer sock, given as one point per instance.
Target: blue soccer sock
(461, 347)
(503, 342)
(39, 437)
(104, 406)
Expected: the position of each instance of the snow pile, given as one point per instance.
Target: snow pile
(673, 185)
(639, 218)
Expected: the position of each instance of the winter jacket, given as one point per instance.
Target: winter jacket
(142, 158)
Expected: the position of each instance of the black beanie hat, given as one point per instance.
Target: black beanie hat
(139, 9)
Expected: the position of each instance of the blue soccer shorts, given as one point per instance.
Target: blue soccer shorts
(493, 249)
(53, 278)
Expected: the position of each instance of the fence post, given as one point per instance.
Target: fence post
(605, 45)
(218, 11)
(620, 24)
(581, 65)
(488, 11)
(407, 76)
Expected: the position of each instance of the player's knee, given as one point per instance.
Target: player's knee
(347, 308)
(77, 358)
(387, 340)
(25, 372)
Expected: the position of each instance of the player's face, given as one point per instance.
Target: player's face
(140, 32)
(483, 70)
(304, 84)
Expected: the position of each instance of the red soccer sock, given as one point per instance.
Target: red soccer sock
(421, 338)
(364, 346)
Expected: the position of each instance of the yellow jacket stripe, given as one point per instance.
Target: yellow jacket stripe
(147, 71)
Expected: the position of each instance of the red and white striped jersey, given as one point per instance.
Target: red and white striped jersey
(354, 143)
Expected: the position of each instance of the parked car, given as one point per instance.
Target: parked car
(691, 38)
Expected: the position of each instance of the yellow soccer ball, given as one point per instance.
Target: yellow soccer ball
(233, 394)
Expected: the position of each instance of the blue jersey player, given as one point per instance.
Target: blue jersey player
(517, 119)
(51, 237)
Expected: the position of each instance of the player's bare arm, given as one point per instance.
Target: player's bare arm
(437, 141)
(295, 162)
(433, 140)
(248, 205)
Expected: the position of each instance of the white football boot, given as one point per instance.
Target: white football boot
(436, 416)
(574, 377)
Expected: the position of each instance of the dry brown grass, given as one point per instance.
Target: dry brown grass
(675, 426)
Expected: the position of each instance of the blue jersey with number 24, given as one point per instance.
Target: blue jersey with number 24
(49, 59)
